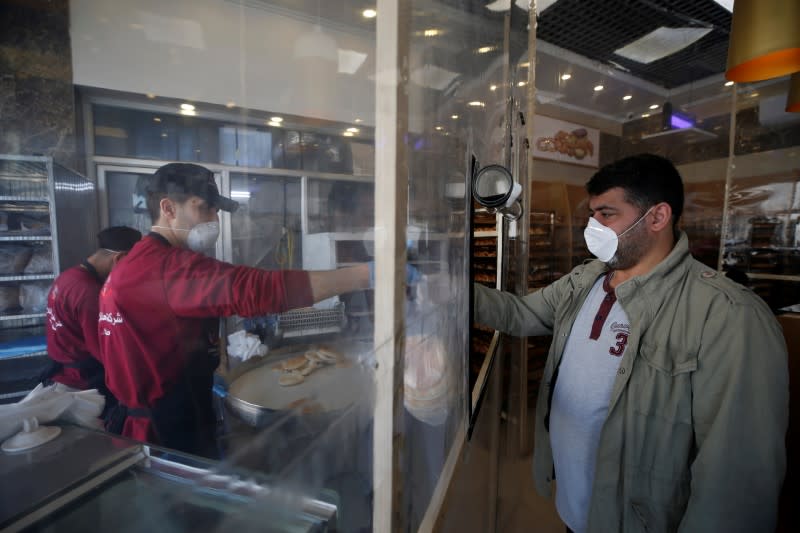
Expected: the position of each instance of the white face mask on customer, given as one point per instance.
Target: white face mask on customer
(602, 241)
(201, 238)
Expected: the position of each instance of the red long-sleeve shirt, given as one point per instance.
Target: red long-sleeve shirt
(71, 329)
(154, 308)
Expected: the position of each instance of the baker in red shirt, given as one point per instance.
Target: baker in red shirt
(159, 310)
(72, 307)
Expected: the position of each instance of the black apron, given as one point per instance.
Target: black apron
(183, 419)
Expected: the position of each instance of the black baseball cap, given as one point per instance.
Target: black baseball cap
(188, 178)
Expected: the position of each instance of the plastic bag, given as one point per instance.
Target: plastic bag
(426, 380)
(33, 297)
(34, 225)
(9, 297)
(14, 258)
(41, 262)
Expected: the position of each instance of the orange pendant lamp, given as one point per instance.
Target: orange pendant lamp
(793, 102)
(765, 40)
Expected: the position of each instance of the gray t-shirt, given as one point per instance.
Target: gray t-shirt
(580, 401)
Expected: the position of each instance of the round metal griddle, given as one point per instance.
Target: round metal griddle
(256, 397)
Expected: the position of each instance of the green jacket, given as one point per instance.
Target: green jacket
(694, 436)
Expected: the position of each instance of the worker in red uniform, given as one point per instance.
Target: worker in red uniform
(72, 310)
(159, 311)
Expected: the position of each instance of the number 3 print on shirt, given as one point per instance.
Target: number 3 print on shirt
(622, 341)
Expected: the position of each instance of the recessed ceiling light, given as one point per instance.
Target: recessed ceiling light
(476, 103)
(163, 134)
(645, 115)
(492, 87)
(274, 124)
(369, 13)
(521, 83)
(151, 95)
(357, 121)
(660, 43)
(654, 106)
(728, 83)
(431, 32)
(276, 119)
(598, 87)
(353, 130)
(187, 107)
(230, 105)
(156, 119)
(188, 112)
(454, 117)
(627, 97)
(727, 4)
(439, 128)
(753, 95)
(348, 134)
(565, 77)
(485, 49)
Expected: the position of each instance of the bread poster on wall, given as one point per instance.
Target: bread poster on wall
(565, 141)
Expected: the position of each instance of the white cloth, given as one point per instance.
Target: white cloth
(54, 402)
(580, 404)
(243, 345)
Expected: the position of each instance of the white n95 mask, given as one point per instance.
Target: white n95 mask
(203, 236)
(602, 241)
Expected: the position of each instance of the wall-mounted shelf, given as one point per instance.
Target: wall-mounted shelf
(8, 238)
(27, 277)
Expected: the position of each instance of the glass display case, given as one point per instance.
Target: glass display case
(96, 480)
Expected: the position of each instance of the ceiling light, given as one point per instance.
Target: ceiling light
(187, 107)
(357, 121)
(156, 119)
(645, 115)
(350, 61)
(627, 97)
(476, 103)
(660, 43)
(521, 84)
(764, 42)
(369, 13)
(243, 195)
(274, 124)
(433, 77)
(348, 134)
(276, 119)
(729, 83)
(565, 77)
(454, 117)
(353, 130)
(727, 4)
(432, 32)
(654, 106)
(485, 49)
(439, 128)
(188, 112)
(598, 87)
(163, 134)
(525, 64)
(492, 87)
(753, 95)
(230, 105)
(151, 95)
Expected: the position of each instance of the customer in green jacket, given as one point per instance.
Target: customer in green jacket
(664, 402)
